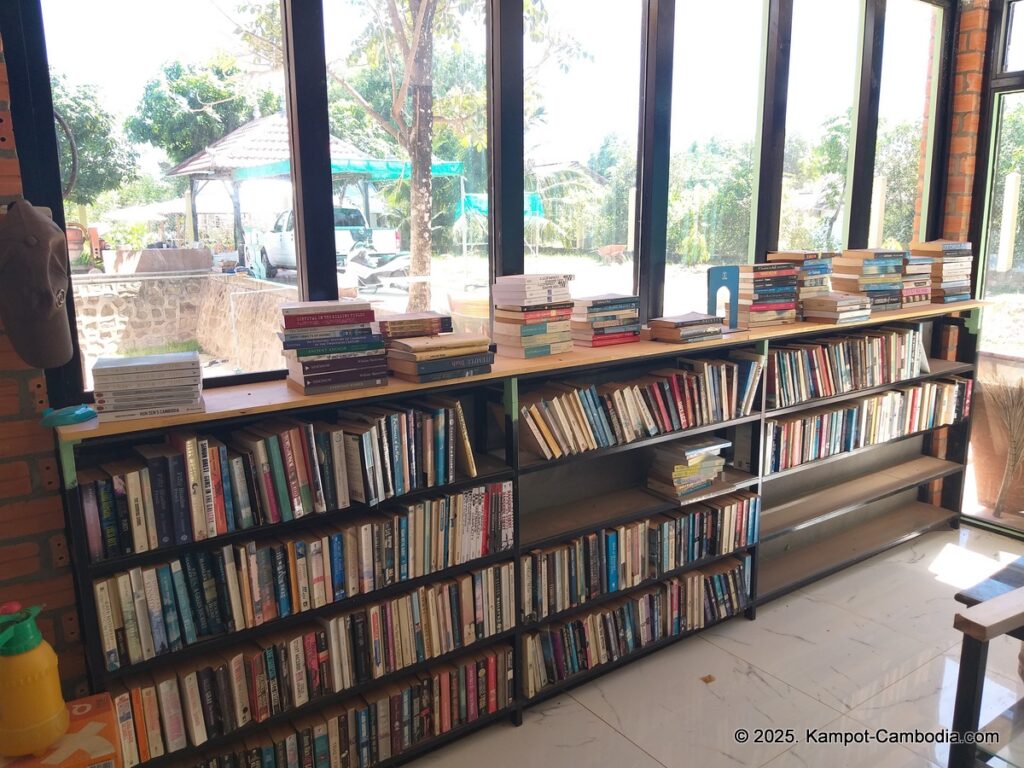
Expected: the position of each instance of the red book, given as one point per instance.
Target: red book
(217, 482)
(471, 692)
(485, 525)
(312, 664)
(773, 306)
(492, 682)
(319, 319)
(608, 341)
(665, 418)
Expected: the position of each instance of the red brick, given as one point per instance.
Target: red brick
(959, 185)
(973, 20)
(20, 438)
(69, 626)
(966, 102)
(26, 518)
(9, 360)
(37, 391)
(968, 163)
(977, 40)
(15, 479)
(970, 83)
(963, 144)
(46, 470)
(16, 569)
(10, 396)
(969, 123)
(18, 552)
(59, 557)
(969, 62)
(963, 204)
(58, 592)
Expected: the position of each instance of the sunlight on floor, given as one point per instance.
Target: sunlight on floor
(961, 568)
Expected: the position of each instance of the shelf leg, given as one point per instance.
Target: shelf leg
(517, 716)
(967, 707)
(751, 613)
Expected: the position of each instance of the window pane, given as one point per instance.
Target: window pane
(1014, 39)
(1004, 257)
(712, 173)
(822, 82)
(143, 113)
(582, 86)
(903, 149)
(410, 155)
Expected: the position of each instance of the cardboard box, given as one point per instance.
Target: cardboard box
(91, 740)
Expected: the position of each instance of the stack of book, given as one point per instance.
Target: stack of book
(331, 346)
(837, 307)
(813, 276)
(441, 357)
(532, 315)
(401, 326)
(951, 269)
(685, 329)
(682, 468)
(153, 385)
(768, 294)
(917, 279)
(875, 272)
(601, 321)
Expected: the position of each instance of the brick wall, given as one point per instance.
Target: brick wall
(963, 139)
(34, 561)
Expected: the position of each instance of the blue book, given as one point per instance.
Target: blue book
(403, 548)
(440, 455)
(396, 455)
(417, 626)
(188, 626)
(181, 513)
(267, 757)
(407, 717)
(195, 593)
(363, 736)
(336, 543)
(443, 531)
(166, 584)
(321, 747)
(108, 518)
(282, 582)
(225, 478)
(612, 549)
(270, 660)
(617, 307)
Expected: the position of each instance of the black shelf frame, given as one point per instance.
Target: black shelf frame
(531, 624)
(500, 464)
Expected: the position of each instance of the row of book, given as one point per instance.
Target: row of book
(823, 432)
(196, 487)
(686, 328)
(558, 651)
(531, 314)
(146, 612)
(605, 320)
(332, 346)
(684, 467)
(147, 386)
(379, 640)
(569, 418)
(568, 575)
(439, 357)
(767, 294)
(813, 277)
(802, 371)
(171, 712)
(951, 267)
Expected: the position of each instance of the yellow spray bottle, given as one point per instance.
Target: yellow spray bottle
(32, 710)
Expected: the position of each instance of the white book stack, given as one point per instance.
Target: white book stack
(531, 314)
(147, 386)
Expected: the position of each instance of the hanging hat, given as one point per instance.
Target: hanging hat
(34, 286)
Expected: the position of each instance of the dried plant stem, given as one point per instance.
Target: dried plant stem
(1008, 402)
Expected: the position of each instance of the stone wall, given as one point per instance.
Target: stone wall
(238, 319)
(121, 313)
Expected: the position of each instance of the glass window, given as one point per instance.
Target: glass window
(903, 149)
(582, 86)
(183, 171)
(409, 153)
(822, 82)
(713, 167)
(1014, 61)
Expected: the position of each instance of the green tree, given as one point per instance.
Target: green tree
(105, 159)
(615, 162)
(897, 154)
(827, 166)
(188, 107)
(390, 84)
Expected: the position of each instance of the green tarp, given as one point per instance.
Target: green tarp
(362, 168)
(476, 202)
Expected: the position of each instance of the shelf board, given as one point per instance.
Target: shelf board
(553, 524)
(536, 464)
(939, 368)
(276, 396)
(227, 640)
(490, 469)
(817, 507)
(768, 477)
(791, 569)
(579, 678)
(553, 618)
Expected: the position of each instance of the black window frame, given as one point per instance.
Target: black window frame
(21, 25)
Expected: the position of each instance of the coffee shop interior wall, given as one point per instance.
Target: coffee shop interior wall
(34, 558)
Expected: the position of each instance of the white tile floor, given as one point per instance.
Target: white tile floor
(870, 647)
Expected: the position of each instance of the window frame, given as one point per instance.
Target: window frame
(306, 104)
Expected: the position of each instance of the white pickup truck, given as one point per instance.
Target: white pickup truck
(277, 247)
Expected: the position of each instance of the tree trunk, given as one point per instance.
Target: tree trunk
(421, 143)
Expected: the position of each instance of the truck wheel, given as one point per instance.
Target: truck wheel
(268, 269)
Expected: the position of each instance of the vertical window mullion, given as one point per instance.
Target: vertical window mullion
(772, 143)
(942, 127)
(306, 90)
(653, 155)
(505, 137)
(862, 156)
